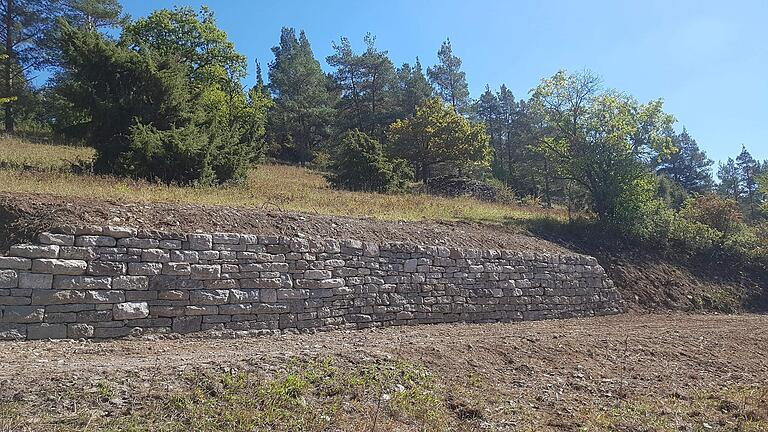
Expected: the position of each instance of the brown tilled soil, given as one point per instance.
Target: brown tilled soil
(626, 372)
(31, 213)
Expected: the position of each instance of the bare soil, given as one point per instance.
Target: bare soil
(626, 372)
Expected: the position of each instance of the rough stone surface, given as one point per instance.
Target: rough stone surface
(34, 251)
(15, 263)
(9, 279)
(56, 239)
(35, 280)
(59, 266)
(130, 310)
(119, 280)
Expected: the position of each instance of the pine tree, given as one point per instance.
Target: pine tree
(260, 86)
(449, 81)
(368, 86)
(413, 88)
(748, 171)
(303, 111)
(27, 36)
(728, 174)
(689, 166)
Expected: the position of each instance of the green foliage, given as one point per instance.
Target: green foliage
(193, 40)
(367, 85)
(601, 140)
(147, 114)
(413, 88)
(721, 214)
(437, 135)
(671, 193)
(449, 81)
(361, 165)
(728, 174)
(303, 112)
(688, 165)
(709, 226)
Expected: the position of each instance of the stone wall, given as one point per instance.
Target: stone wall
(105, 282)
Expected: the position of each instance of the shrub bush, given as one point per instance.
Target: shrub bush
(143, 117)
(722, 214)
(361, 165)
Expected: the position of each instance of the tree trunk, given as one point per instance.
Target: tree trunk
(9, 124)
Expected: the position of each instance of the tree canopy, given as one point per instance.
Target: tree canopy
(601, 140)
(436, 135)
(449, 81)
(303, 113)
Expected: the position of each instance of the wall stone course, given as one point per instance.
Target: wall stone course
(120, 280)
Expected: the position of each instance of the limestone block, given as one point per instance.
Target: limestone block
(138, 243)
(187, 324)
(59, 266)
(22, 314)
(107, 297)
(34, 251)
(144, 269)
(136, 283)
(203, 271)
(15, 263)
(57, 297)
(9, 279)
(97, 240)
(106, 268)
(47, 331)
(209, 297)
(200, 242)
(35, 280)
(119, 232)
(184, 256)
(130, 310)
(318, 274)
(79, 331)
(155, 255)
(56, 239)
(81, 282)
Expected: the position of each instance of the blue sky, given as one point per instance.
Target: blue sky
(707, 59)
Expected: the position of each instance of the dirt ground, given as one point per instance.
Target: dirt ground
(549, 375)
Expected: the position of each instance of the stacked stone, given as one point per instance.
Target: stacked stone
(104, 282)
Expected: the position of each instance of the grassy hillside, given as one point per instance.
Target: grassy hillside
(271, 186)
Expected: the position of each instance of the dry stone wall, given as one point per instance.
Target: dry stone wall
(105, 282)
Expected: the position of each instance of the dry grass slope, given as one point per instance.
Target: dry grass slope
(271, 186)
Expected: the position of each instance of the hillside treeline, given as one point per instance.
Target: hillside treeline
(162, 98)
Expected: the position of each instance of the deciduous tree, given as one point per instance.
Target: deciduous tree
(437, 135)
(602, 140)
